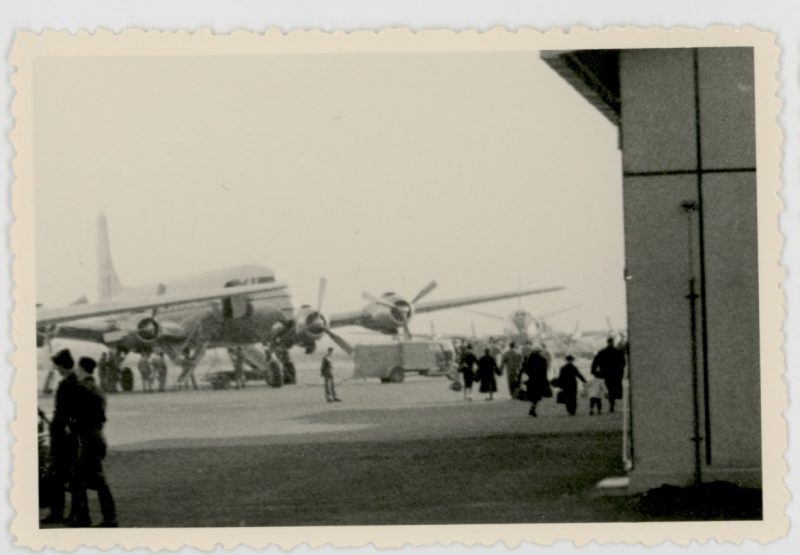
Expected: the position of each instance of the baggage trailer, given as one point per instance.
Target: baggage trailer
(391, 361)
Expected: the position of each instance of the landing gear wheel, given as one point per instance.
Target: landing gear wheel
(126, 379)
(274, 378)
(397, 375)
(289, 374)
(385, 380)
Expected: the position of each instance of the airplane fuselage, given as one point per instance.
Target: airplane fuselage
(228, 321)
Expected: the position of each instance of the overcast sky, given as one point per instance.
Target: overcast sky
(379, 171)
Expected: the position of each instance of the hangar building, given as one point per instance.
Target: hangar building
(686, 120)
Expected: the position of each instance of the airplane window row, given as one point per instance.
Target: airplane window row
(249, 281)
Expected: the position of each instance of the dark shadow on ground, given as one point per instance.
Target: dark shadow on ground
(503, 478)
(710, 501)
(509, 479)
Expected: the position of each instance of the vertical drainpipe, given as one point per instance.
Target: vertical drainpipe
(701, 242)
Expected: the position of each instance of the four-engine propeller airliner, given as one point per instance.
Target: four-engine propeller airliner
(240, 306)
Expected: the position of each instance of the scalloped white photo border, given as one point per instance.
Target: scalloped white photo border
(29, 47)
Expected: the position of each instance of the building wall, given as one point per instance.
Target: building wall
(688, 135)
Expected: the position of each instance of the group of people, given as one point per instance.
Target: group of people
(528, 376)
(77, 446)
(152, 369)
(484, 369)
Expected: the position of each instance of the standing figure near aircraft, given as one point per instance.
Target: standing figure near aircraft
(115, 360)
(159, 366)
(567, 381)
(238, 367)
(187, 371)
(537, 386)
(487, 367)
(326, 371)
(63, 441)
(609, 364)
(466, 366)
(89, 420)
(146, 371)
(511, 362)
(102, 371)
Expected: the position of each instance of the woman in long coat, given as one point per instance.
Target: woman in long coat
(487, 366)
(537, 387)
(465, 365)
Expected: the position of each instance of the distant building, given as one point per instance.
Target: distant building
(686, 122)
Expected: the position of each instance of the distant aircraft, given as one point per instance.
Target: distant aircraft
(239, 306)
(518, 328)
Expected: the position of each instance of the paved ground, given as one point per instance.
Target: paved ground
(389, 454)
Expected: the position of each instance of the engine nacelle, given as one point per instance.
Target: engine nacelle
(389, 319)
(148, 330)
(309, 325)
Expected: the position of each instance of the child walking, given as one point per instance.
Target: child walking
(596, 390)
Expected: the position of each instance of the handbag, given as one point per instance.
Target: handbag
(561, 398)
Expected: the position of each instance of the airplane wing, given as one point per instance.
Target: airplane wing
(345, 319)
(356, 317)
(46, 316)
(432, 306)
(485, 314)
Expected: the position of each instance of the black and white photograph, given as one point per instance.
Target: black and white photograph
(308, 281)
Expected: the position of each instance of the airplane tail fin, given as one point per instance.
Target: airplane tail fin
(108, 283)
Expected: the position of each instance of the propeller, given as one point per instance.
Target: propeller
(343, 345)
(377, 300)
(323, 284)
(424, 292)
(339, 340)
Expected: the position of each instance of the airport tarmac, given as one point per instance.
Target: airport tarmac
(263, 414)
(405, 453)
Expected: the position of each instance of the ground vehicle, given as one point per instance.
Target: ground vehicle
(391, 361)
(223, 379)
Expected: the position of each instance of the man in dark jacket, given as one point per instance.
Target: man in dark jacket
(538, 387)
(89, 420)
(567, 380)
(609, 364)
(326, 371)
(63, 442)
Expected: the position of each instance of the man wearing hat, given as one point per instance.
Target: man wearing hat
(63, 442)
(89, 419)
(567, 381)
